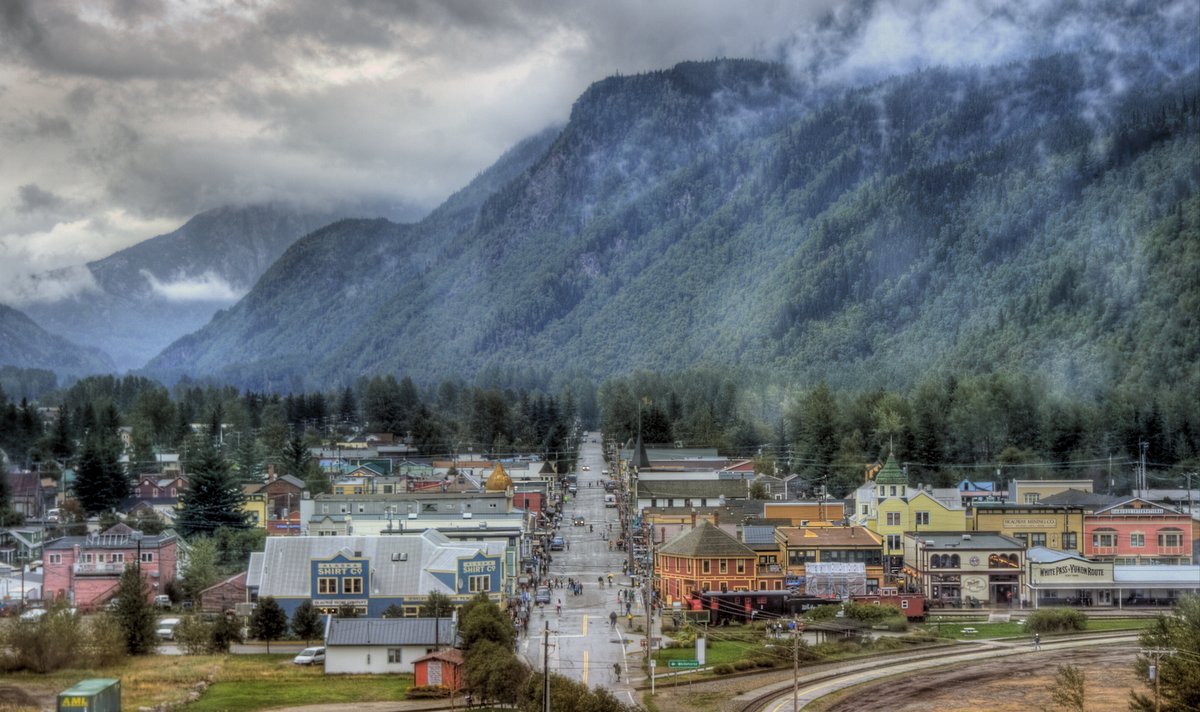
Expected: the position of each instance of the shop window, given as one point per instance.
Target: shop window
(955, 562)
(327, 585)
(352, 585)
(1070, 540)
(479, 584)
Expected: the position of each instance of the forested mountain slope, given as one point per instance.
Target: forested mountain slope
(147, 295)
(1021, 217)
(26, 345)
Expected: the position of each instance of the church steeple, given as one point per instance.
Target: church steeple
(891, 474)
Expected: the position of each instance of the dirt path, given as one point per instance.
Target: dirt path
(1006, 685)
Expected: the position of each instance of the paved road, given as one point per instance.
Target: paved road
(583, 646)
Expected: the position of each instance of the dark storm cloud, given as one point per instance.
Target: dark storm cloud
(146, 111)
(32, 198)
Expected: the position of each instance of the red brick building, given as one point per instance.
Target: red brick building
(703, 559)
(87, 569)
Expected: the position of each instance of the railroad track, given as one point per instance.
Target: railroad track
(778, 698)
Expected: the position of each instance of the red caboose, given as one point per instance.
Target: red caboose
(913, 604)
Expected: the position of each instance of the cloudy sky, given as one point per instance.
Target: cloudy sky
(120, 119)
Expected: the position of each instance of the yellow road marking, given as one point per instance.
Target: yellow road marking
(585, 666)
(585, 625)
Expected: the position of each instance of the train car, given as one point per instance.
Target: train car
(912, 604)
(744, 606)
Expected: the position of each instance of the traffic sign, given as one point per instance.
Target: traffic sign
(683, 663)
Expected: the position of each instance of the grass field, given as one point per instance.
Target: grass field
(239, 683)
(1015, 628)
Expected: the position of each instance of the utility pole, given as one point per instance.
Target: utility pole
(795, 665)
(1155, 671)
(546, 669)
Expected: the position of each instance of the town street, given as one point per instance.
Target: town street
(583, 644)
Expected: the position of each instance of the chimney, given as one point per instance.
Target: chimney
(270, 472)
(693, 519)
(716, 517)
(851, 532)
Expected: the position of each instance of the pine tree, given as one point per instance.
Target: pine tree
(134, 613)
(100, 481)
(213, 498)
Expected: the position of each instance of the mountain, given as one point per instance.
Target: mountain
(144, 297)
(1035, 216)
(26, 345)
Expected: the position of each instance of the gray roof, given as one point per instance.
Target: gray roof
(978, 540)
(1046, 555)
(390, 631)
(758, 534)
(400, 563)
(1079, 498)
(705, 540)
(693, 489)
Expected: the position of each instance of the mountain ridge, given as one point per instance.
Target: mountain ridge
(718, 214)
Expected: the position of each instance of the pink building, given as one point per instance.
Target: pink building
(87, 569)
(1137, 531)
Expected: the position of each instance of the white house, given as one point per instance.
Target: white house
(383, 645)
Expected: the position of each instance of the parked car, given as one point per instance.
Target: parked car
(542, 595)
(310, 656)
(162, 601)
(557, 544)
(573, 489)
(166, 628)
(578, 521)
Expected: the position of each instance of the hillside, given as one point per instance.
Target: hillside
(146, 296)
(26, 345)
(1015, 217)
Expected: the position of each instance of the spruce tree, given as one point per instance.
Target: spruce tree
(268, 622)
(134, 613)
(100, 481)
(306, 622)
(213, 498)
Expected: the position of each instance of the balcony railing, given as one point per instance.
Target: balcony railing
(114, 568)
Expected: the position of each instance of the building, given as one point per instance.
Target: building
(1064, 578)
(224, 596)
(383, 645)
(1058, 526)
(965, 568)
(86, 570)
(703, 559)
(1033, 491)
(801, 513)
(441, 668)
(689, 493)
(804, 546)
(371, 573)
(1137, 531)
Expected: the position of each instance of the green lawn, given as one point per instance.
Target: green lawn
(718, 652)
(1015, 629)
(254, 682)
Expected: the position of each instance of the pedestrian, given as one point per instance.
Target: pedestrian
(1037, 641)
(612, 619)
(628, 605)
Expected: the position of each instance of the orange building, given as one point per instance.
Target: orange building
(441, 668)
(801, 513)
(703, 559)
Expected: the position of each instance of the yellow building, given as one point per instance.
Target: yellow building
(255, 508)
(1056, 526)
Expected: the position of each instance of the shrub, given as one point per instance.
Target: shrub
(897, 625)
(103, 642)
(427, 692)
(49, 643)
(743, 665)
(1054, 620)
(764, 662)
(871, 613)
(723, 669)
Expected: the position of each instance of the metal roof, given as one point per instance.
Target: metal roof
(390, 631)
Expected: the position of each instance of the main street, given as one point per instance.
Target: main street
(583, 644)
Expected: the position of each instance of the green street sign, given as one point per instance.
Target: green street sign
(683, 663)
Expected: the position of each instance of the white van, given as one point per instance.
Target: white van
(610, 500)
(166, 628)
